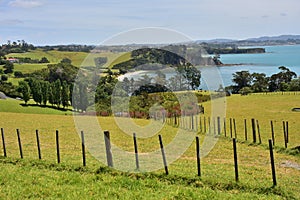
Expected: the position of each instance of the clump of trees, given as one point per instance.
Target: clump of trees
(245, 82)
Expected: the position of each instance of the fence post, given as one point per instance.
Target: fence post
(83, 149)
(287, 131)
(219, 125)
(20, 143)
(38, 144)
(230, 126)
(225, 127)
(163, 154)
(204, 123)
(258, 131)
(108, 149)
(57, 147)
(272, 131)
(245, 127)
(234, 128)
(136, 152)
(284, 134)
(200, 124)
(272, 163)
(253, 130)
(235, 160)
(214, 125)
(3, 143)
(198, 156)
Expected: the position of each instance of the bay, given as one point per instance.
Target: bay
(268, 63)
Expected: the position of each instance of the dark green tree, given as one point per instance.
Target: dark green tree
(260, 82)
(242, 79)
(65, 94)
(24, 89)
(84, 103)
(36, 91)
(57, 93)
(8, 67)
(45, 85)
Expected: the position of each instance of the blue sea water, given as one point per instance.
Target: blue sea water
(268, 63)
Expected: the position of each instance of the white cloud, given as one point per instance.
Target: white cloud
(25, 3)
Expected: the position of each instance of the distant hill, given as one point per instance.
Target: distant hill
(274, 38)
(260, 41)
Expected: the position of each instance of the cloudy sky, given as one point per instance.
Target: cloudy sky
(92, 21)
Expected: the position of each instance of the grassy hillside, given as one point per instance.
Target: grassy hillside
(31, 178)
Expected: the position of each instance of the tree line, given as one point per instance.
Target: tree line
(246, 82)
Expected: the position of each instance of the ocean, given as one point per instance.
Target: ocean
(268, 63)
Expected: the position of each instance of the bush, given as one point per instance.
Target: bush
(245, 91)
(18, 74)
(4, 77)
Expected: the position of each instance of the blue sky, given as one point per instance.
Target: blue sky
(91, 21)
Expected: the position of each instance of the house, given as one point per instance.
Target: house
(13, 60)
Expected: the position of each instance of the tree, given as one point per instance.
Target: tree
(24, 89)
(242, 79)
(8, 67)
(36, 91)
(44, 60)
(51, 93)
(57, 92)
(280, 80)
(45, 91)
(83, 97)
(66, 60)
(260, 82)
(65, 93)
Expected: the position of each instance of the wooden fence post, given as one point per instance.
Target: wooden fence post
(234, 128)
(272, 132)
(287, 131)
(38, 144)
(108, 149)
(57, 146)
(219, 125)
(204, 123)
(284, 134)
(258, 131)
(253, 130)
(235, 160)
(3, 142)
(272, 163)
(20, 143)
(225, 132)
(230, 126)
(136, 152)
(245, 128)
(198, 156)
(83, 149)
(163, 154)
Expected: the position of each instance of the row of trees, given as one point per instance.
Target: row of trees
(55, 93)
(246, 82)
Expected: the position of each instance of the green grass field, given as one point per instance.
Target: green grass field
(31, 178)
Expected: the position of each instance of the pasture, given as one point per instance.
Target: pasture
(33, 178)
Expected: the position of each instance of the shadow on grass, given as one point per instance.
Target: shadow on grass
(46, 106)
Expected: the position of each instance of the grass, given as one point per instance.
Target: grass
(17, 106)
(31, 178)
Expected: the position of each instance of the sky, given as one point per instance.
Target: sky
(50, 22)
